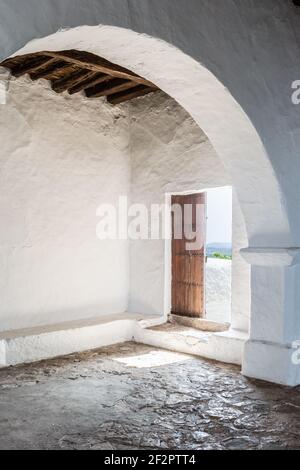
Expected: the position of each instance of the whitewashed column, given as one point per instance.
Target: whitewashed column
(275, 317)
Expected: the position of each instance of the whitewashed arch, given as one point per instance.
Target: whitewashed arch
(208, 102)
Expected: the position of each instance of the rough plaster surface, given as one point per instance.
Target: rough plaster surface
(137, 397)
(60, 158)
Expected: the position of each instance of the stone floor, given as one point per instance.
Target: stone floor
(132, 396)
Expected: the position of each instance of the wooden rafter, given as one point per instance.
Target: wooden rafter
(105, 89)
(76, 71)
(96, 64)
(91, 80)
(32, 66)
(68, 81)
(122, 96)
(49, 69)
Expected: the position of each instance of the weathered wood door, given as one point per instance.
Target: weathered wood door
(188, 265)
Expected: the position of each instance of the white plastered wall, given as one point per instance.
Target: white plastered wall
(60, 157)
(171, 154)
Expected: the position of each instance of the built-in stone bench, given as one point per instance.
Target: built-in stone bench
(43, 342)
(33, 344)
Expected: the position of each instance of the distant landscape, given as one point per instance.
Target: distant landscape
(219, 250)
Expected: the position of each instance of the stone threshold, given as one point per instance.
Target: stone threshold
(202, 324)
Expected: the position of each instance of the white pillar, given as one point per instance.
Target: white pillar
(275, 321)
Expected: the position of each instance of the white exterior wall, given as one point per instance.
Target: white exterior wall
(60, 157)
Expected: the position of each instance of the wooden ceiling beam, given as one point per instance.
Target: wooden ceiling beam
(51, 67)
(135, 92)
(96, 64)
(92, 79)
(109, 88)
(30, 66)
(68, 81)
(74, 71)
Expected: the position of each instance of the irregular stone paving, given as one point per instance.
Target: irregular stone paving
(93, 401)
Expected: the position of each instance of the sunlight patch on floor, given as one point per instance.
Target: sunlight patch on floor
(153, 359)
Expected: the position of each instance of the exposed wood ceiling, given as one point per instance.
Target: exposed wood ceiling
(74, 71)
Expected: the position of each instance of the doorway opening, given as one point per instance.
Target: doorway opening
(202, 255)
(218, 255)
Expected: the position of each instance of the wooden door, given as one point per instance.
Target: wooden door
(188, 265)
